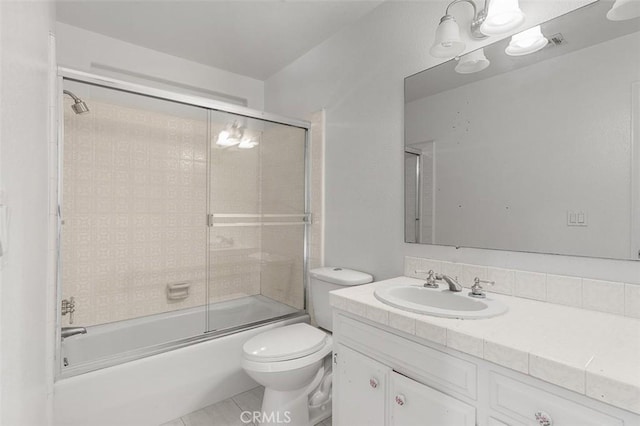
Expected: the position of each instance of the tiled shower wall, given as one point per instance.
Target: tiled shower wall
(134, 199)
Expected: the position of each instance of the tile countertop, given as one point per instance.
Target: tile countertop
(592, 353)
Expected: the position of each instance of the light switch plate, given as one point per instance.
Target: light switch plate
(577, 218)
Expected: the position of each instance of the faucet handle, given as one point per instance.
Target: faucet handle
(431, 279)
(476, 288)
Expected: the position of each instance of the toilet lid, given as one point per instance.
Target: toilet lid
(284, 343)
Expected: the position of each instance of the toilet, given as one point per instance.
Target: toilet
(291, 362)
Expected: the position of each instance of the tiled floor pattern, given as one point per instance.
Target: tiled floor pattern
(227, 412)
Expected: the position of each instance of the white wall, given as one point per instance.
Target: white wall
(536, 142)
(92, 52)
(26, 329)
(357, 76)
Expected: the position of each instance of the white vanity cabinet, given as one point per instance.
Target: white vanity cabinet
(386, 378)
(363, 388)
(369, 393)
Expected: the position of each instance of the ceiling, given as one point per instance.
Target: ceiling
(252, 38)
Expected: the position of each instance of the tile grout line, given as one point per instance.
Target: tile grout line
(233, 398)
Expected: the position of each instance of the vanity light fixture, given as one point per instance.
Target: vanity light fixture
(623, 10)
(497, 17)
(472, 62)
(231, 136)
(526, 42)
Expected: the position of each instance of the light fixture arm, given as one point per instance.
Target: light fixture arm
(478, 16)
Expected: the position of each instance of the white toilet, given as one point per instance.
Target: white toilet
(289, 361)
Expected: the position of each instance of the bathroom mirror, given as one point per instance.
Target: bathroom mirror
(535, 153)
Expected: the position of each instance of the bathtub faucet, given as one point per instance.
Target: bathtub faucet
(72, 331)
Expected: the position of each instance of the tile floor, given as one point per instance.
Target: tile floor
(227, 412)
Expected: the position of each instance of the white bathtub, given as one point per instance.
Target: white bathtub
(111, 344)
(155, 389)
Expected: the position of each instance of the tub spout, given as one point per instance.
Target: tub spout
(72, 331)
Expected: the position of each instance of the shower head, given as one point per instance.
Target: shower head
(79, 106)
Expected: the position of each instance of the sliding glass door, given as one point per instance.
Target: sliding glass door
(178, 221)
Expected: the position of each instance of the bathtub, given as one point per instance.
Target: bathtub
(110, 344)
(124, 374)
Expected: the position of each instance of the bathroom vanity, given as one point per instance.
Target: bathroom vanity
(394, 367)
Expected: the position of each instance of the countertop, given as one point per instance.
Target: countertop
(592, 353)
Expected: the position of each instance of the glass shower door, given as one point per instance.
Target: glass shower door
(257, 217)
(133, 208)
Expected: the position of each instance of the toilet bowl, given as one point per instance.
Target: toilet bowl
(288, 362)
(292, 362)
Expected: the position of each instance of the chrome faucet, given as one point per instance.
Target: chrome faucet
(452, 282)
(72, 331)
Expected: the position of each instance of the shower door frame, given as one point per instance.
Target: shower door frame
(190, 100)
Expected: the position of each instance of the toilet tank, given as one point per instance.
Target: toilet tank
(324, 280)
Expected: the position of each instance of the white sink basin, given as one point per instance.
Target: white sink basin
(439, 302)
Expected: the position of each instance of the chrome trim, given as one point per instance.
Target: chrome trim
(245, 224)
(60, 153)
(72, 331)
(418, 214)
(305, 220)
(209, 224)
(307, 210)
(232, 215)
(111, 83)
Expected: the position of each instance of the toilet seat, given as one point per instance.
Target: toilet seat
(286, 348)
(284, 343)
(293, 364)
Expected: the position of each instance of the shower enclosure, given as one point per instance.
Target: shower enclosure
(181, 219)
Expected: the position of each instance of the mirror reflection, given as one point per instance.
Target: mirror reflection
(530, 145)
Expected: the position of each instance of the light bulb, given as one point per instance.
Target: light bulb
(623, 10)
(472, 62)
(526, 42)
(502, 17)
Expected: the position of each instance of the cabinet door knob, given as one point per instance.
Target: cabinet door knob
(400, 399)
(543, 418)
(373, 382)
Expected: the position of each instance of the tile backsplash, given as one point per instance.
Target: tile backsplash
(604, 296)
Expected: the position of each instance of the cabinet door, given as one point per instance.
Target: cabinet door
(360, 389)
(524, 403)
(413, 403)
